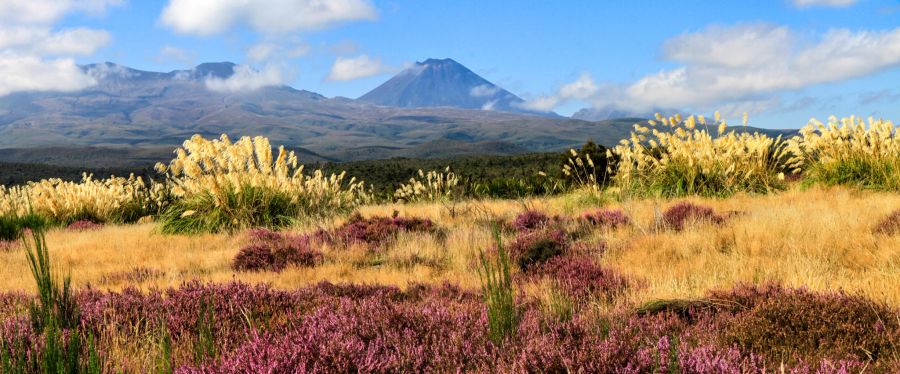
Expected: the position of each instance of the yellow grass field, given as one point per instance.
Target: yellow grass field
(817, 238)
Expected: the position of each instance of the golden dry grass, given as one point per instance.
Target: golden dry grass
(818, 238)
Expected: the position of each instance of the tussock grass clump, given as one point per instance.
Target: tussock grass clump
(225, 186)
(674, 157)
(890, 225)
(849, 151)
(115, 199)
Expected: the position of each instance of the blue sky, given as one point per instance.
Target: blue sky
(782, 60)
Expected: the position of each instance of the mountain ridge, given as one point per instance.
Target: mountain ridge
(143, 109)
(444, 83)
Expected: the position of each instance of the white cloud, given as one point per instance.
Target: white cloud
(349, 68)
(246, 79)
(746, 64)
(106, 70)
(582, 89)
(830, 3)
(484, 90)
(41, 41)
(30, 73)
(169, 53)
(209, 17)
(34, 56)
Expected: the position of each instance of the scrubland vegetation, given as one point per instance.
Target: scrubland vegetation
(686, 248)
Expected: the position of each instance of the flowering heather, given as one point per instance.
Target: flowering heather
(580, 277)
(8, 245)
(84, 225)
(363, 328)
(530, 220)
(609, 218)
(780, 322)
(678, 216)
(376, 232)
(532, 248)
(273, 251)
(890, 225)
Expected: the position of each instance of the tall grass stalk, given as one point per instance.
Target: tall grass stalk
(498, 293)
(55, 315)
(428, 187)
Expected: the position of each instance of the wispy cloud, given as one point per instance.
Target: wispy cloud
(362, 66)
(210, 17)
(484, 90)
(582, 89)
(746, 64)
(826, 3)
(246, 79)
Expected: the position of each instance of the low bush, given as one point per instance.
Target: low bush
(678, 216)
(890, 225)
(84, 225)
(530, 220)
(609, 219)
(782, 322)
(580, 277)
(272, 251)
(533, 248)
(516, 188)
(375, 232)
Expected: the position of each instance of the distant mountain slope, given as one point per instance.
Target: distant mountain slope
(130, 107)
(443, 83)
(133, 116)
